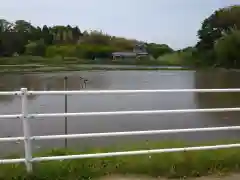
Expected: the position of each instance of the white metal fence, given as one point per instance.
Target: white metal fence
(25, 117)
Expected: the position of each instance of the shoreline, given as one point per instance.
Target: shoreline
(41, 69)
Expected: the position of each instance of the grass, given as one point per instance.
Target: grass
(25, 64)
(170, 165)
(171, 59)
(44, 64)
(21, 60)
(42, 68)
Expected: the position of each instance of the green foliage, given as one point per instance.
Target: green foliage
(157, 50)
(22, 38)
(93, 51)
(60, 50)
(170, 165)
(186, 57)
(211, 48)
(220, 22)
(227, 50)
(36, 48)
(171, 59)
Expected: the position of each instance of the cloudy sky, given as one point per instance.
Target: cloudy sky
(174, 22)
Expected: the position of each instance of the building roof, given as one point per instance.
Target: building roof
(138, 50)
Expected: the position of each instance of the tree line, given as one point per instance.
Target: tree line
(22, 38)
(218, 45)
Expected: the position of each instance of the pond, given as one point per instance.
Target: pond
(97, 80)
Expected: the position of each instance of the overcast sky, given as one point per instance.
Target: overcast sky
(174, 22)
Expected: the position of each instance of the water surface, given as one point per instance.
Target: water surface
(121, 80)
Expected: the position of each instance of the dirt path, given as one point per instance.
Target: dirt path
(230, 177)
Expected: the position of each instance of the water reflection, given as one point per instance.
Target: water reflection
(219, 80)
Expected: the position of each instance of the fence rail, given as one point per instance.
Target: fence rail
(27, 138)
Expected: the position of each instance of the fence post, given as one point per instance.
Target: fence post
(26, 130)
(65, 109)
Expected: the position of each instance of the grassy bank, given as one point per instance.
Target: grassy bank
(21, 60)
(55, 64)
(43, 68)
(170, 165)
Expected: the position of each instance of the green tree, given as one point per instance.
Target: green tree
(214, 27)
(61, 51)
(97, 38)
(37, 48)
(220, 22)
(76, 33)
(47, 35)
(157, 50)
(5, 26)
(227, 50)
(23, 26)
(12, 42)
(122, 44)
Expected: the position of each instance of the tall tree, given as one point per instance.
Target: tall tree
(5, 26)
(213, 27)
(47, 35)
(157, 50)
(76, 33)
(23, 26)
